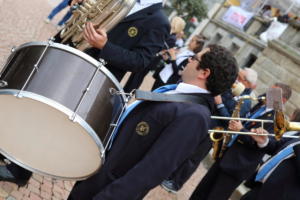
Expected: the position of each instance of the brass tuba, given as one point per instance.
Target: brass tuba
(103, 13)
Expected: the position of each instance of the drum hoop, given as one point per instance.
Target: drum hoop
(64, 110)
(81, 54)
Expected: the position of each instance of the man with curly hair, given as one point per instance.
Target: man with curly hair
(155, 138)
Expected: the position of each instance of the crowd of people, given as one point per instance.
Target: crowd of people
(174, 138)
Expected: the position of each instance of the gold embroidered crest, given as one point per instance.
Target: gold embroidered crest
(132, 31)
(142, 128)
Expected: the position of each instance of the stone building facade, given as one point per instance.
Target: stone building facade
(275, 61)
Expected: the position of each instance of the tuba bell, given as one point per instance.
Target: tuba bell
(103, 13)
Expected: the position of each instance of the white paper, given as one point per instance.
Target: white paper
(166, 73)
(237, 17)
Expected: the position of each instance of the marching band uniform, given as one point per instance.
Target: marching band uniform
(134, 41)
(130, 46)
(152, 142)
(278, 178)
(238, 163)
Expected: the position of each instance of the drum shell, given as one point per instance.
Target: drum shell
(63, 75)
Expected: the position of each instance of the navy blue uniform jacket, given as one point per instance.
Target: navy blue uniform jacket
(284, 182)
(133, 53)
(242, 158)
(135, 164)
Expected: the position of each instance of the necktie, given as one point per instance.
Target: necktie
(268, 167)
(134, 105)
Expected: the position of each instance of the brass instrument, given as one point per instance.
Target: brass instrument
(281, 125)
(237, 89)
(103, 13)
(217, 139)
(221, 138)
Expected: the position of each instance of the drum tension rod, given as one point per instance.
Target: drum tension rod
(87, 89)
(113, 91)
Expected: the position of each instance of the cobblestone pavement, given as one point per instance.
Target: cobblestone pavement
(21, 22)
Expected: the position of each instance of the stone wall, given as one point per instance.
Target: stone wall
(243, 45)
(276, 61)
(279, 63)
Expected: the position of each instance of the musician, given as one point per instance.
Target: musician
(241, 158)
(248, 78)
(226, 103)
(136, 79)
(152, 141)
(176, 61)
(277, 178)
(133, 42)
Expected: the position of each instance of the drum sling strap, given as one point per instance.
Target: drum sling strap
(159, 97)
(163, 97)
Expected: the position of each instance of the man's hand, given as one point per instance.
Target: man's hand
(96, 38)
(76, 1)
(261, 140)
(172, 53)
(235, 125)
(218, 99)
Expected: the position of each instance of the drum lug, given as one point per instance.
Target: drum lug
(13, 49)
(3, 83)
(113, 125)
(102, 62)
(36, 67)
(113, 91)
(73, 117)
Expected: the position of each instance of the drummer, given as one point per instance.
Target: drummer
(157, 137)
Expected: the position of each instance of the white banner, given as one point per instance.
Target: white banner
(274, 31)
(237, 17)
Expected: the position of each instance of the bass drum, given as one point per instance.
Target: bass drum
(57, 110)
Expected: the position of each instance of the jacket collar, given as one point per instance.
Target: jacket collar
(144, 12)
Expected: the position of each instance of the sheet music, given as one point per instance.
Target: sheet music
(166, 73)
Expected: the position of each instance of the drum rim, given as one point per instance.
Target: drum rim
(81, 54)
(67, 112)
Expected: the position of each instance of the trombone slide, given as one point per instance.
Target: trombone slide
(250, 133)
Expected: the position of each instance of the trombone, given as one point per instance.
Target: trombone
(281, 125)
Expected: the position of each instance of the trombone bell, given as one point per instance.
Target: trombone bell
(282, 125)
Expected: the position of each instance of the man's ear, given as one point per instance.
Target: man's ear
(204, 73)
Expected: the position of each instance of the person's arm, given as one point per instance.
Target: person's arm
(172, 53)
(175, 143)
(135, 59)
(267, 144)
(222, 109)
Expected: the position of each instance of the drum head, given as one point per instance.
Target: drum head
(42, 139)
